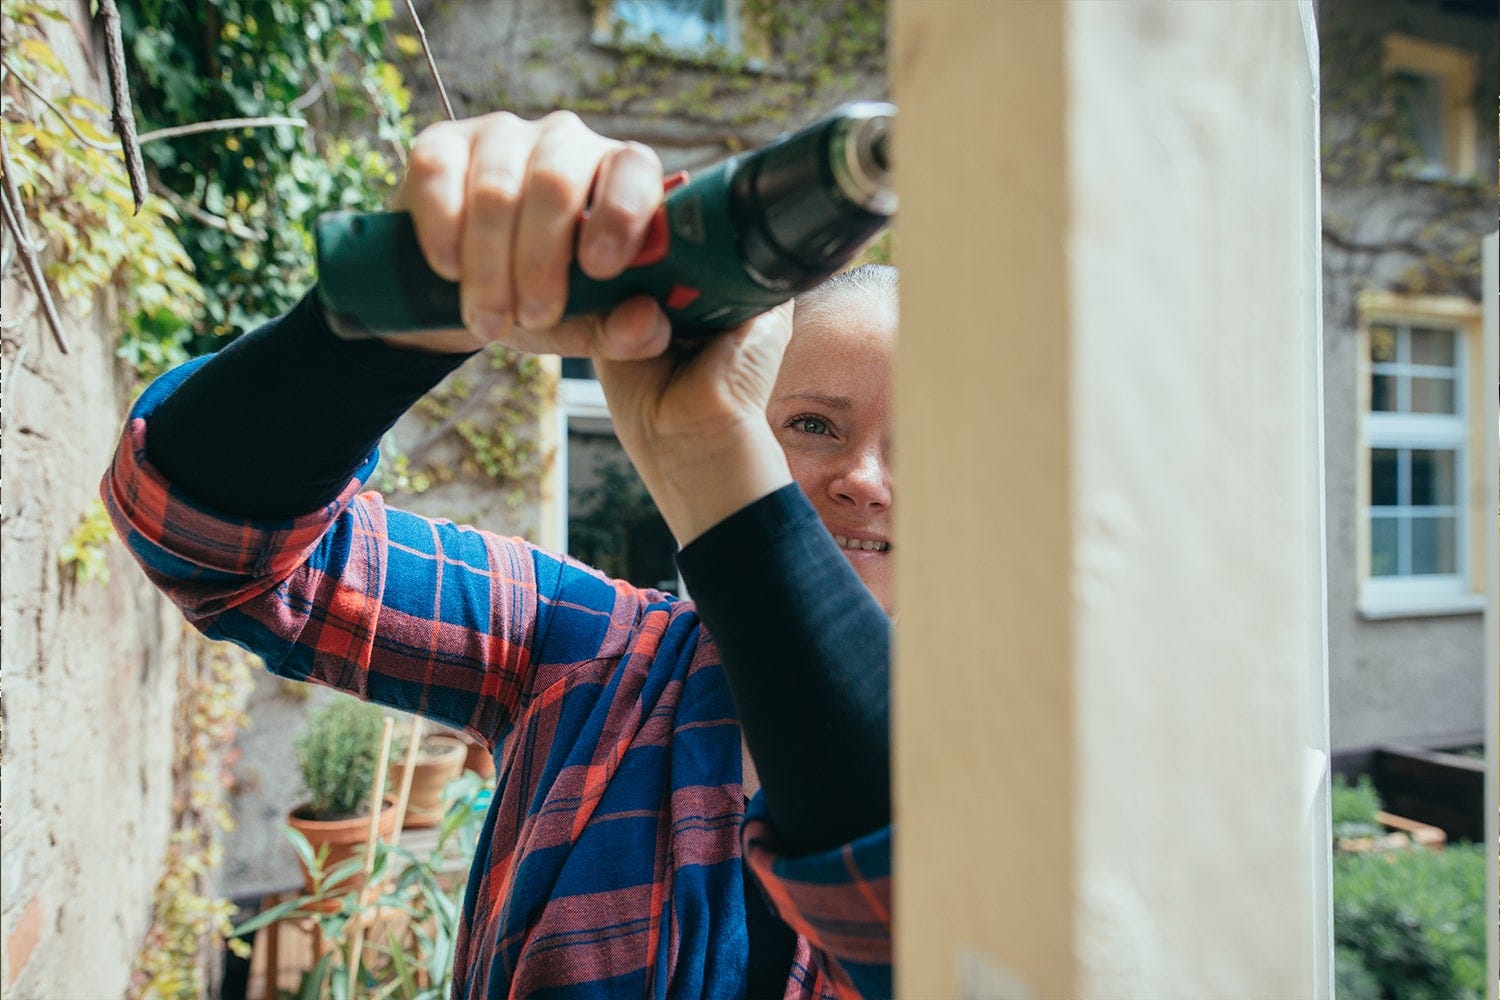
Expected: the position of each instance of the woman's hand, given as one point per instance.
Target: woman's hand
(693, 421)
(496, 202)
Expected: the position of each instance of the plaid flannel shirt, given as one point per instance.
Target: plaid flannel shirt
(610, 859)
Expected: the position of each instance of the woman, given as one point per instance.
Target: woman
(611, 862)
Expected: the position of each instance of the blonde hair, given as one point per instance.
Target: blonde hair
(873, 280)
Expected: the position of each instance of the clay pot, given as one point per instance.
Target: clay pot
(480, 761)
(440, 760)
(346, 838)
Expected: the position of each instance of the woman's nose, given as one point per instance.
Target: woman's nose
(865, 481)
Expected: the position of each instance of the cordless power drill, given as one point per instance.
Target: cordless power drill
(726, 245)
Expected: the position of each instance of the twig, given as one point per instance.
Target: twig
(8, 387)
(119, 91)
(14, 213)
(308, 97)
(431, 63)
(377, 799)
(218, 125)
(206, 217)
(67, 119)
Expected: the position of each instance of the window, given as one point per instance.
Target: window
(1432, 91)
(1419, 444)
(690, 27)
(603, 514)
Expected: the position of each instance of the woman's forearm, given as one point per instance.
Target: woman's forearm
(275, 423)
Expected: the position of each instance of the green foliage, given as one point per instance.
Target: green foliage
(410, 958)
(1411, 921)
(76, 191)
(84, 556)
(218, 59)
(187, 918)
(338, 753)
(1354, 808)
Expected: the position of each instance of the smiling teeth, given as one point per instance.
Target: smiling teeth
(861, 544)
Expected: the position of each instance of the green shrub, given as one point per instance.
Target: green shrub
(338, 753)
(1412, 921)
(1354, 808)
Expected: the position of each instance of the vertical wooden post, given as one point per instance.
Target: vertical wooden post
(1491, 361)
(1110, 693)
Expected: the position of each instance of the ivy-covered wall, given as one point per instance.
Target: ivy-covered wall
(95, 662)
(1383, 228)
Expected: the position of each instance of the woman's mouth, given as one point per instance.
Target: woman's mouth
(861, 544)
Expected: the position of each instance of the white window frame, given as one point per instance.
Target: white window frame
(1413, 595)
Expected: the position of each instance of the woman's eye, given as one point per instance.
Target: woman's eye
(810, 425)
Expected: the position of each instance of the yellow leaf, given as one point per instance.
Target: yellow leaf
(40, 52)
(408, 45)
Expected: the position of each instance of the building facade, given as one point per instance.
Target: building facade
(1408, 190)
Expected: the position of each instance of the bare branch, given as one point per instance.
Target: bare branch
(67, 119)
(124, 111)
(431, 63)
(207, 218)
(13, 215)
(218, 125)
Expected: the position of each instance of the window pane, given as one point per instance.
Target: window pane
(680, 24)
(1434, 479)
(1433, 347)
(1383, 546)
(1382, 343)
(1432, 548)
(1433, 395)
(1383, 477)
(578, 368)
(1383, 393)
(612, 523)
(1420, 114)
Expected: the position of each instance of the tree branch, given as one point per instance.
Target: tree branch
(14, 216)
(218, 125)
(124, 111)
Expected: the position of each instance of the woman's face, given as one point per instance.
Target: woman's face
(831, 411)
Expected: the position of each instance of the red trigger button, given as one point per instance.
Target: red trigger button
(681, 296)
(658, 239)
(654, 250)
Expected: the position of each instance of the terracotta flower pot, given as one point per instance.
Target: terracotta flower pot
(480, 760)
(440, 760)
(346, 838)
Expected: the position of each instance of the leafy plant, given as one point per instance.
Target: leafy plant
(85, 554)
(252, 193)
(338, 753)
(411, 957)
(1354, 808)
(1410, 922)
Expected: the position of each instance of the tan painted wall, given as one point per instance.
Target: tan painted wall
(1109, 689)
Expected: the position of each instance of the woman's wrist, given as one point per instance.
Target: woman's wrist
(697, 483)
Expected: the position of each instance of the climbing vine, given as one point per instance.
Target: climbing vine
(76, 195)
(1368, 151)
(188, 920)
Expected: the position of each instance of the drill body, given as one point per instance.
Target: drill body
(726, 245)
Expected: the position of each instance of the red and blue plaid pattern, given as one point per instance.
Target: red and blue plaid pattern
(609, 864)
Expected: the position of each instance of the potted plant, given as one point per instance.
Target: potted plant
(440, 759)
(338, 753)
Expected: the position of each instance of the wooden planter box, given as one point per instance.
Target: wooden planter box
(1445, 790)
